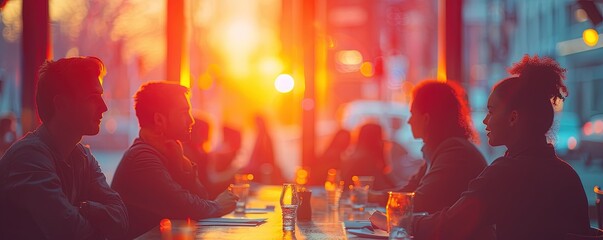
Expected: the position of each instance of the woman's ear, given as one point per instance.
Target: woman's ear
(513, 118)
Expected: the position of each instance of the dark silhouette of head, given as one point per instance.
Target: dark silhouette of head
(200, 132)
(526, 100)
(443, 112)
(370, 138)
(165, 107)
(66, 77)
(341, 140)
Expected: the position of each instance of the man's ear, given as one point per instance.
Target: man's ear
(426, 118)
(59, 102)
(513, 118)
(160, 121)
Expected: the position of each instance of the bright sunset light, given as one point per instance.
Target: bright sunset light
(284, 83)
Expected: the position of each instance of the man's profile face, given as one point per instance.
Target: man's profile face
(179, 120)
(87, 107)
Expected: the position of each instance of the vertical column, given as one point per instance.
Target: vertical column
(175, 39)
(36, 49)
(309, 101)
(454, 40)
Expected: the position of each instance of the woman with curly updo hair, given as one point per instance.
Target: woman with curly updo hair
(529, 193)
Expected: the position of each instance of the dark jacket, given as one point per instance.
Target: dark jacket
(40, 192)
(153, 190)
(531, 194)
(451, 166)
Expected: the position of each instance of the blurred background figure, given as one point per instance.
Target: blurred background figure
(214, 167)
(368, 158)
(262, 160)
(8, 132)
(402, 166)
(330, 158)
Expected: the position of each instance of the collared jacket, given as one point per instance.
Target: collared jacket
(152, 190)
(451, 165)
(40, 192)
(529, 194)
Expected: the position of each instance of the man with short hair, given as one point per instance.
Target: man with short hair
(154, 177)
(51, 187)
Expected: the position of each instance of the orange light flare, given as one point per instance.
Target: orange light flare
(165, 225)
(587, 129)
(367, 69)
(598, 127)
(441, 74)
(572, 143)
(590, 37)
(301, 176)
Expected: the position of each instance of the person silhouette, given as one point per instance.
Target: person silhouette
(367, 157)
(330, 158)
(529, 193)
(154, 177)
(215, 167)
(262, 161)
(51, 187)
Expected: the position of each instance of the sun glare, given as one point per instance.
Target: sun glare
(284, 83)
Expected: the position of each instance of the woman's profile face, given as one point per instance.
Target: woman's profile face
(417, 123)
(497, 121)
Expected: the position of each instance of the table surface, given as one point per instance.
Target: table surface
(325, 223)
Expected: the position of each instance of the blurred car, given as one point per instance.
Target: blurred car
(591, 144)
(566, 134)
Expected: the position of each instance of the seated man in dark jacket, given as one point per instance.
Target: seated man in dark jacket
(51, 187)
(154, 177)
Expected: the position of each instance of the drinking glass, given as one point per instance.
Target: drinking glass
(289, 202)
(399, 212)
(243, 178)
(242, 191)
(363, 181)
(358, 196)
(334, 190)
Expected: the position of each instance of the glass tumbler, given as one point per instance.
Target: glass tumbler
(399, 211)
(289, 203)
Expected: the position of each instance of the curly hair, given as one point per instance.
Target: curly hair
(449, 112)
(535, 88)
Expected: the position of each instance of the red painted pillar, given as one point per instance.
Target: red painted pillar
(35, 49)
(454, 40)
(309, 101)
(175, 38)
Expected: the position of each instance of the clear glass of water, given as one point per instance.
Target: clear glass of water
(289, 202)
(242, 191)
(359, 196)
(334, 191)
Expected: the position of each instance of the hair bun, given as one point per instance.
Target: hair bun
(542, 76)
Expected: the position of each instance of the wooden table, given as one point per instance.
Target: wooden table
(325, 223)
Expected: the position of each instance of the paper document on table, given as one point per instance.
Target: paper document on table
(232, 224)
(356, 224)
(257, 210)
(231, 221)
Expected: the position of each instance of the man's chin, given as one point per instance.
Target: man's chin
(92, 132)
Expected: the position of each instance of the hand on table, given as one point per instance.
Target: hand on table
(227, 202)
(378, 220)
